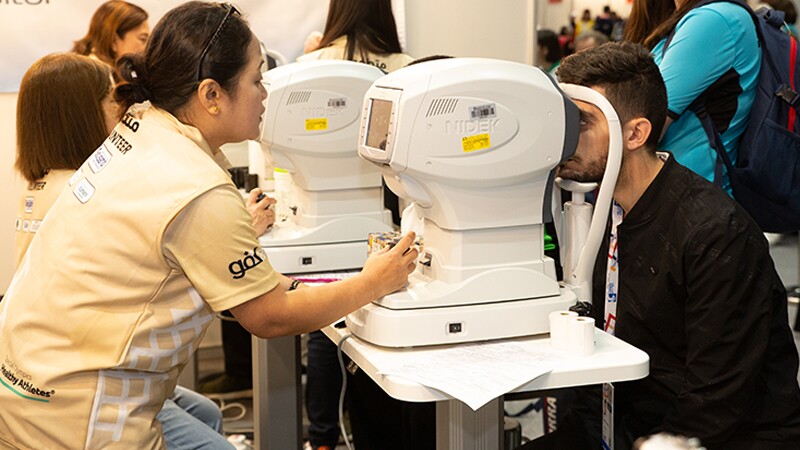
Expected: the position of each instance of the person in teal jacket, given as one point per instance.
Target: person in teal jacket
(714, 50)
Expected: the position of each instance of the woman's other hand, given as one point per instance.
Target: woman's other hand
(261, 210)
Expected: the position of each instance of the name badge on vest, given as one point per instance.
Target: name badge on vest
(83, 191)
(99, 159)
(28, 205)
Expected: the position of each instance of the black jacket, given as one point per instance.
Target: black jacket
(698, 292)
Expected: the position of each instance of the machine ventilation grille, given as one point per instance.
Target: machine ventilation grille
(442, 106)
(298, 97)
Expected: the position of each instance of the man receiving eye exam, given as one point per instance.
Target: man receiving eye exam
(683, 274)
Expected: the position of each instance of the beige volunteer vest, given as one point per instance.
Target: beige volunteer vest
(93, 341)
(36, 200)
(337, 50)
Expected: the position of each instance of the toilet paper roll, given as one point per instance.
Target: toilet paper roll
(558, 328)
(580, 336)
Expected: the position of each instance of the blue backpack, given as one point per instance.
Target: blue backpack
(766, 177)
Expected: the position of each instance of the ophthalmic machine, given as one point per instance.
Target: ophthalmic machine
(311, 127)
(474, 143)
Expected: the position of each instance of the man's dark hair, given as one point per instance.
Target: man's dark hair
(630, 77)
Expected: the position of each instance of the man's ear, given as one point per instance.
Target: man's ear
(636, 132)
(209, 93)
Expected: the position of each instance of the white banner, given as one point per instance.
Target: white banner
(30, 29)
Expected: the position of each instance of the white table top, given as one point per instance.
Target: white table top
(613, 360)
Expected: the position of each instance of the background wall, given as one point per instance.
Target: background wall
(498, 29)
(24, 40)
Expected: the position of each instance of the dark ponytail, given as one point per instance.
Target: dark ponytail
(166, 74)
(134, 85)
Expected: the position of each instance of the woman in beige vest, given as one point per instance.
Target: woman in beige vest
(66, 130)
(149, 239)
(57, 132)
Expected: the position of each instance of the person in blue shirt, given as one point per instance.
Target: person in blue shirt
(714, 50)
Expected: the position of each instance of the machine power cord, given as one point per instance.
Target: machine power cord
(344, 389)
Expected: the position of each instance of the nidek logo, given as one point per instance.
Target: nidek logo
(471, 126)
(320, 111)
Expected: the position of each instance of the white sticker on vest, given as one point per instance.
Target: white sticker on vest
(18, 224)
(26, 225)
(83, 191)
(76, 176)
(35, 224)
(99, 159)
(28, 205)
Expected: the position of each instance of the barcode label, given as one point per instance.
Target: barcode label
(482, 111)
(337, 103)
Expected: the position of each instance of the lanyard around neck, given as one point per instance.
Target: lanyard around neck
(612, 271)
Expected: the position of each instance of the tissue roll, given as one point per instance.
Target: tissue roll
(558, 328)
(580, 336)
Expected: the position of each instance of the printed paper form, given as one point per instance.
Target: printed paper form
(473, 373)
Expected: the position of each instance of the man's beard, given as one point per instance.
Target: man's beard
(588, 172)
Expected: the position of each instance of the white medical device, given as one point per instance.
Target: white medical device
(311, 126)
(474, 143)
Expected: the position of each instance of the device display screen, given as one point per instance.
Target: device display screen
(380, 112)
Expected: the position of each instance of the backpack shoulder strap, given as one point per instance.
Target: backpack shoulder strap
(698, 107)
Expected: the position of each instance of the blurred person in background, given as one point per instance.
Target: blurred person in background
(117, 28)
(549, 56)
(590, 39)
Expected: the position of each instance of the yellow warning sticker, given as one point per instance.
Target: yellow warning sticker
(476, 142)
(317, 124)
